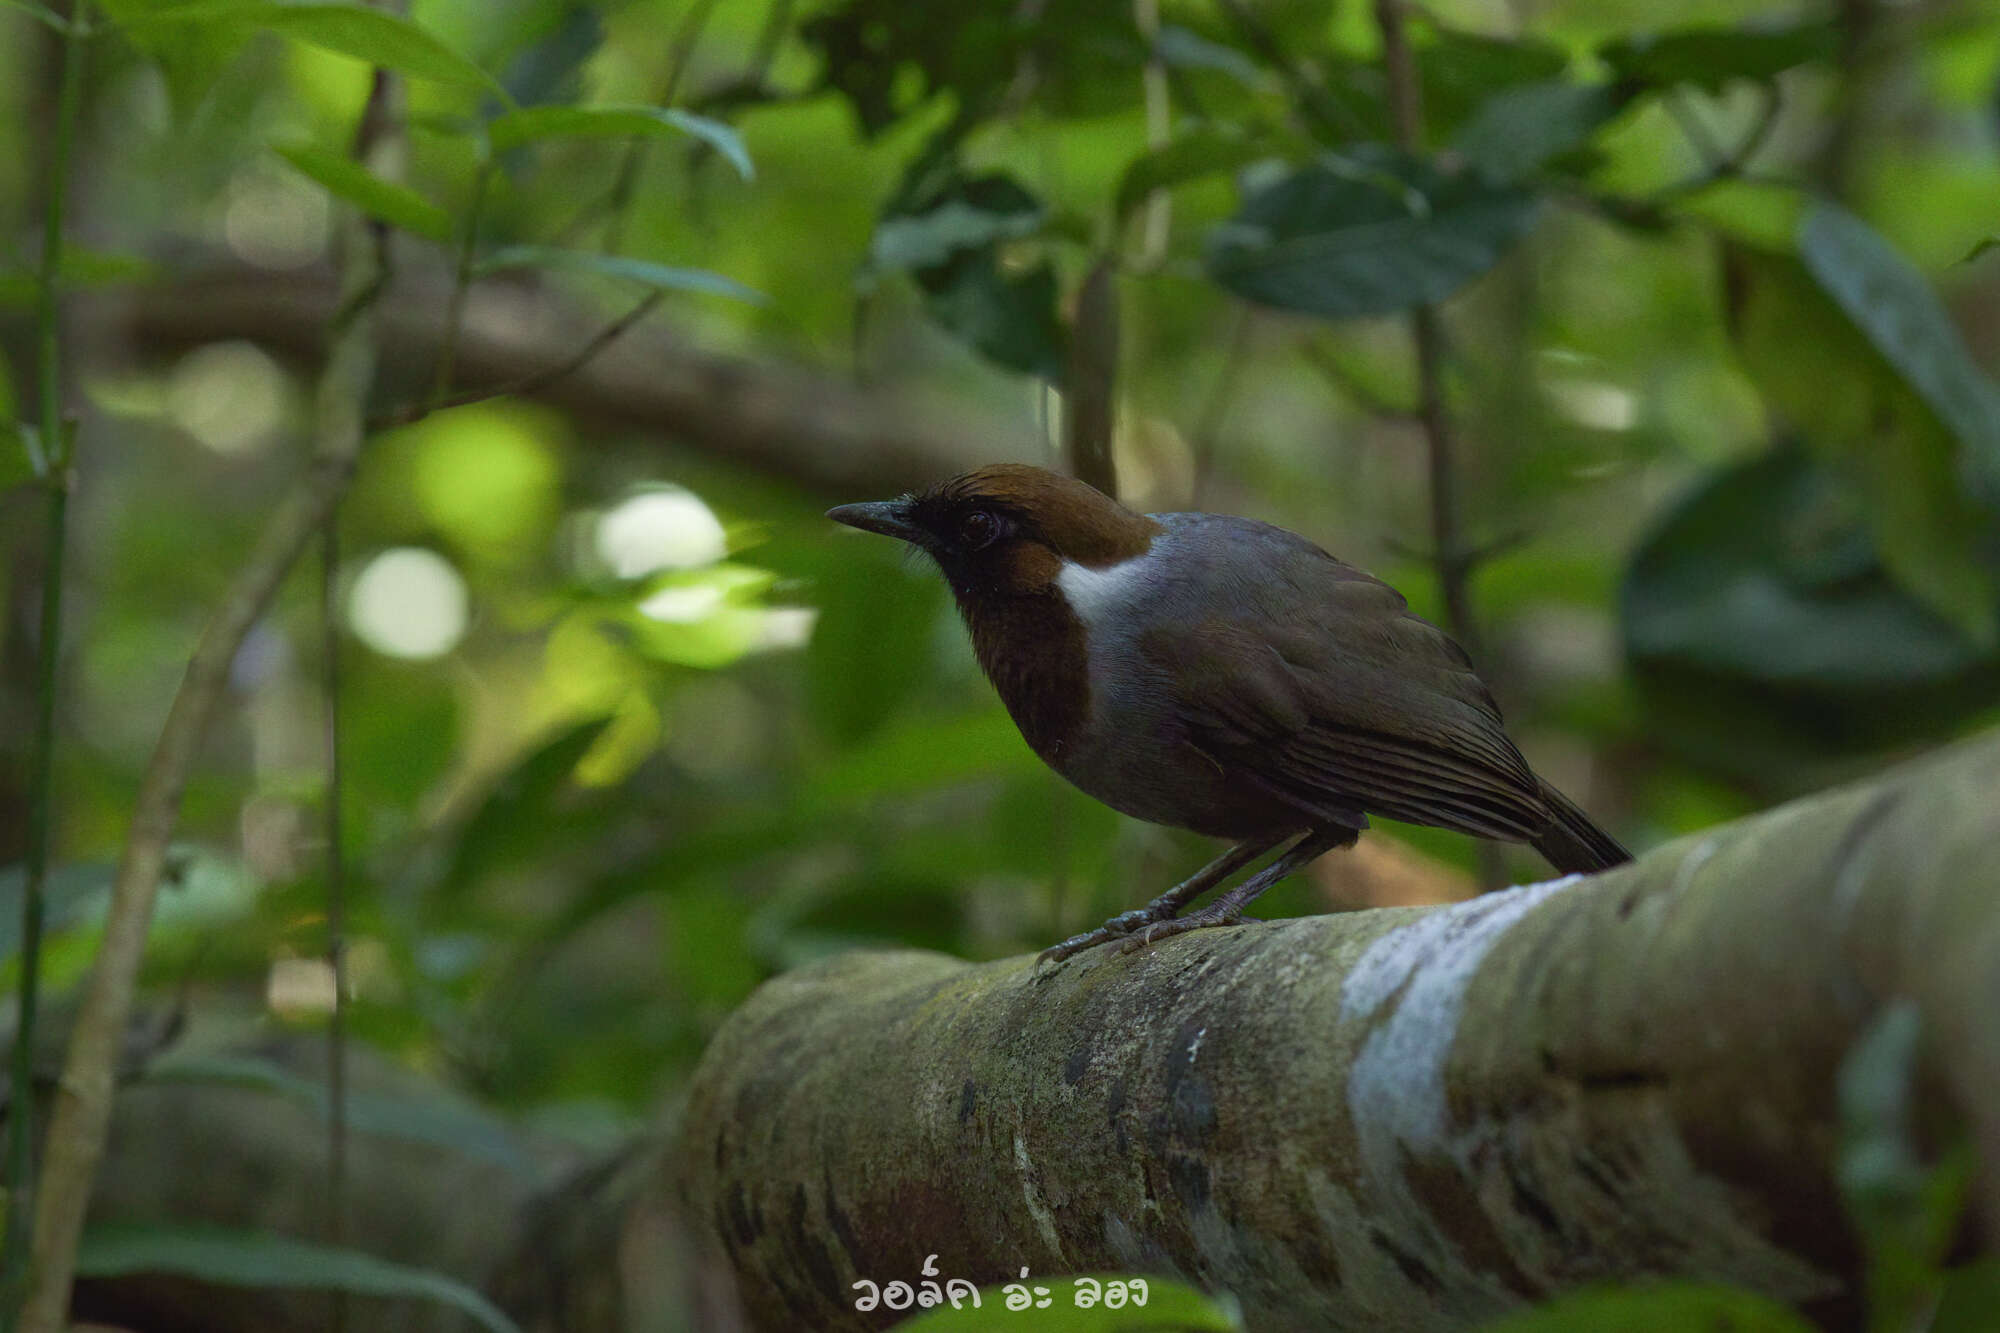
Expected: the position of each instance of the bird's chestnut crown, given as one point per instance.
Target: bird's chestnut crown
(1008, 528)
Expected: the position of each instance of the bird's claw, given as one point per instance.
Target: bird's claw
(1118, 927)
(1161, 930)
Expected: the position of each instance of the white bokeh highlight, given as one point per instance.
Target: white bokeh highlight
(682, 606)
(668, 528)
(410, 603)
(228, 395)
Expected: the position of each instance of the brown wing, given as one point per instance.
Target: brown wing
(1355, 705)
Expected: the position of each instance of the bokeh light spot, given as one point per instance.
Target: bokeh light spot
(299, 988)
(787, 627)
(682, 606)
(229, 395)
(486, 476)
(668, 528)
(409, 603)
(275, 221)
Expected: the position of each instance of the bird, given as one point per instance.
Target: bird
(1222, 675)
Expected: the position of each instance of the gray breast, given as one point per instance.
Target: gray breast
(1134, 754)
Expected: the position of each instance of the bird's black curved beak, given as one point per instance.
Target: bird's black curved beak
(887, 517)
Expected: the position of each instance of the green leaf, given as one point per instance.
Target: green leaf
(258, 1259)
(1009, 317)
(1768, 572)
(889, 58)
(1657, 1307)
(191, 57)
(365, 33)
(1461, 71)
(511, 823)
(440, 1121)
(661, 277)
(1979, 249)
(1369, 233)
(397, 205)
(1710, 58)
(948, 230)
(1971, 1295)
(1077, 1305)
(80, 269)
(1182, 49)
(21, 458)
(1519, 130)
(1855, 409)
(1895, 308)
(70, 893)
(1906, 1209)
(511, 129)
(961, 216)
(41, 12)
(1202, 151)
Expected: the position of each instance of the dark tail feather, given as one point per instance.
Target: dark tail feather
(1572, 843)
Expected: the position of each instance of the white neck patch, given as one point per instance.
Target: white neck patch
(1093, 593)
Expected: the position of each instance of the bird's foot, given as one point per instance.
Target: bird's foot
(1216, 914)
(1118, 927)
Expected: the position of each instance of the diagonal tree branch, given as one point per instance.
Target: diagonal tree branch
(520, 338)
(1405, 1118)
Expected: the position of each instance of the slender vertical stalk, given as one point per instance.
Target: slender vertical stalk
(41, 753)
(1158, 219)
(336, 902)
(461, 283)
(1208, 427)
(75, 1141)
(1091, 380)
(1448, 550)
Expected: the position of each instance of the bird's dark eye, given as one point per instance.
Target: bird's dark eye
(977, 529)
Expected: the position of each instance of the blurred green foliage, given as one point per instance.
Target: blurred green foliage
(629, 727)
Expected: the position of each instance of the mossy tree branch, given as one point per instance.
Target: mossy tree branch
(1409, 1118)
(1414, 1118)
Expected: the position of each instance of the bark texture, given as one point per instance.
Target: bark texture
(1406, 1118)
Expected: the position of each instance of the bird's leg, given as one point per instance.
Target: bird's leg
(1163, 907)
(1228, 909)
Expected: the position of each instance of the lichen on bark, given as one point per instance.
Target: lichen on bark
(1421, 1116)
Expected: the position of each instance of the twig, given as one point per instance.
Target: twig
(541, 379)
(53, 21)
(75, 1142)
(1470, 558)
(1370, 399)
(1157, 226)
(41, 762)
(1760, 129)
(1406, 108)
(461, 282)
(336, 899)
(1334, 118)
(1427, 336)
(1091, 380)
(1696, 133)
(616, 202)
(777, 19)
(1857, 21)
(1209, 426)
(1720, 166)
